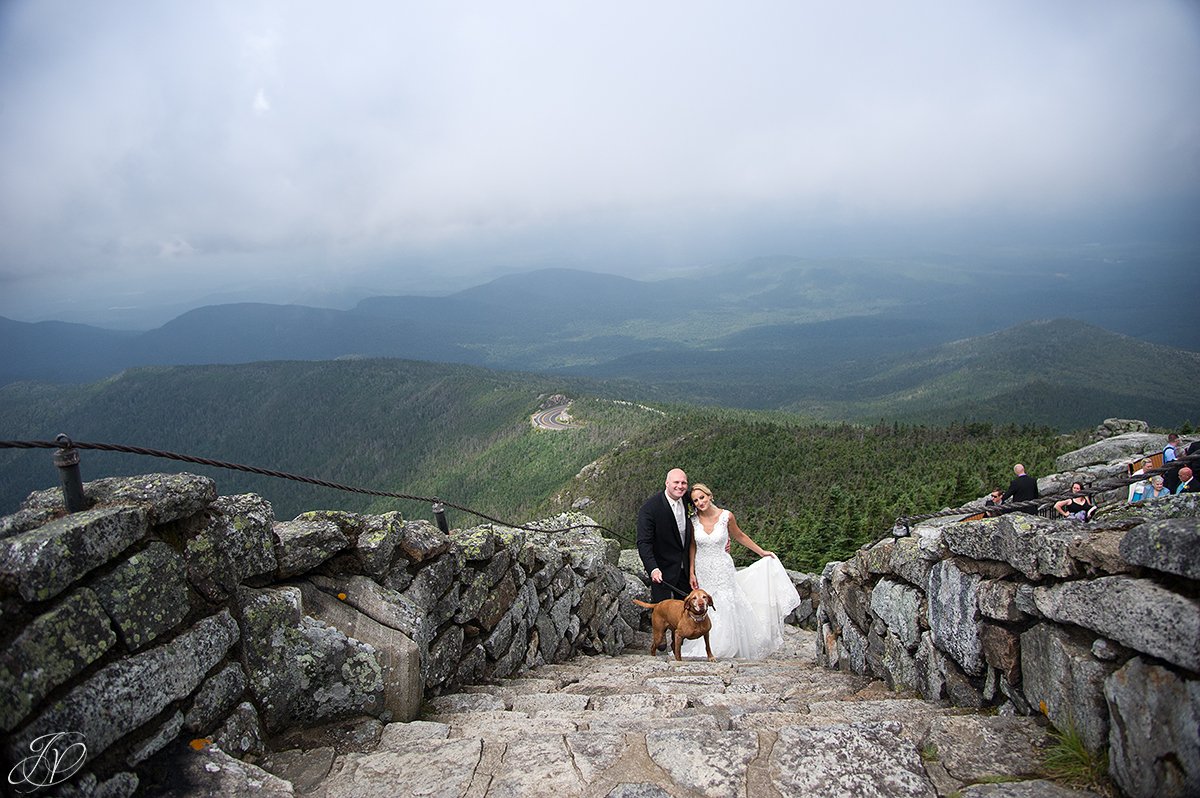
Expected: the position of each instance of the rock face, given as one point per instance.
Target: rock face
(1095, 626)
(165, 613)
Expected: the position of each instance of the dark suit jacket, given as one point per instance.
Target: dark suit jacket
(1022, 489)
(660, 547)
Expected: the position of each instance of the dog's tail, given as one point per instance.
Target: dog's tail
(644, 604)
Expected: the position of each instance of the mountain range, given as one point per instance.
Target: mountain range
(1026, 339)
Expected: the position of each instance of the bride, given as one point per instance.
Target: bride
(748, 605)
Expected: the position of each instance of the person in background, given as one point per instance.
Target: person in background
(1158, 489)
(1138, 489)
(991, 505)
(1171, 462)
(1171, 450)
(1187, 483)
(1152, 488)
(1023, 488)
(1080, 506)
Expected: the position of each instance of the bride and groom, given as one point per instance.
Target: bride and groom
(682, 551)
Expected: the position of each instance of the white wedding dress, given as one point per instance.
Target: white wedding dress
(748, 605)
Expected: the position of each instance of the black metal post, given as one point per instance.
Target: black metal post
(66, 459)
(439, 514)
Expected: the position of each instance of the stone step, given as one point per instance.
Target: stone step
(636, 725)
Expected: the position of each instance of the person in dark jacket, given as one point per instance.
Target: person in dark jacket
(1023, 488)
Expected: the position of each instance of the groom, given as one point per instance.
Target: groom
(664, 535)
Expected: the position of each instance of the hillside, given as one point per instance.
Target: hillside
(814, 336)
(1061, 372)
(812, 491)
(397, 426)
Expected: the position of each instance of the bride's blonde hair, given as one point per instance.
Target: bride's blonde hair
(700, 486)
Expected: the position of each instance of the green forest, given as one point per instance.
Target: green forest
(812, 492)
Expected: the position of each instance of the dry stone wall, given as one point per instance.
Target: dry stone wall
(165, 612)
(1096, 626)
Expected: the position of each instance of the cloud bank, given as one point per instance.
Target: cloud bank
(194, 147)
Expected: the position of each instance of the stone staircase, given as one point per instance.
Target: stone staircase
(636, 725)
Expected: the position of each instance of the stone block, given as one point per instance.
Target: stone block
(241, 733)
(376, 545)
(217, 696)
(1062, 678)
(444, 653)
(163, 497)
(953, 611)
(398, 655)
(234, 544)
(899, 607)
(421, 541)
(998, 600)
(973, 748)
(1139, 613)
(911, 562)
(832, 760)
(1001, 650)
(303, 671)
(52, 648)
(1123, 447)
(123, 696)
(146, 596)
(1037, 547)
(167, 731)
(43, 562)
(302, 545)
(1170, 545)
(473, 592)
(1154, 738)
(477, 543)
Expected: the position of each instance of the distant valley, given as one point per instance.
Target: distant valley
(830, 340)
(813, 492)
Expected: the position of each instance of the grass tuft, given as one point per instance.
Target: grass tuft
(1068, 760)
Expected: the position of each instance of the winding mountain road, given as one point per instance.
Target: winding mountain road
(550, 418)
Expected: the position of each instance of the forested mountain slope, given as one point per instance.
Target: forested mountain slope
(463, 434)
(835, 339)
(390, 425)
(1061, 372)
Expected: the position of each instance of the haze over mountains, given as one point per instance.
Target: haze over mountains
(849, 341)
(789, 321)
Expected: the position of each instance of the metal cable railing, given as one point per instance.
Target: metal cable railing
(67, 459)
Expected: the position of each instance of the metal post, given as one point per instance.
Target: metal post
(439, 514)
(67, 461)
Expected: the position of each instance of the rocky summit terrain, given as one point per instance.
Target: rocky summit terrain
(641, 725)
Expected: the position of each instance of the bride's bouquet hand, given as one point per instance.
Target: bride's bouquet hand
(769, 554)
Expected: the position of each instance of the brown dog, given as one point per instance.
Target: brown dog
(687, 620)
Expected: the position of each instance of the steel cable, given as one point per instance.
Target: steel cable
(63, 442)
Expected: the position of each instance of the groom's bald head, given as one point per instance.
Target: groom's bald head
(677, 483)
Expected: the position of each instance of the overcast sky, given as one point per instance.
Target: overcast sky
(266, 148)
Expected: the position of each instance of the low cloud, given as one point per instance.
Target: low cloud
(385, 139)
